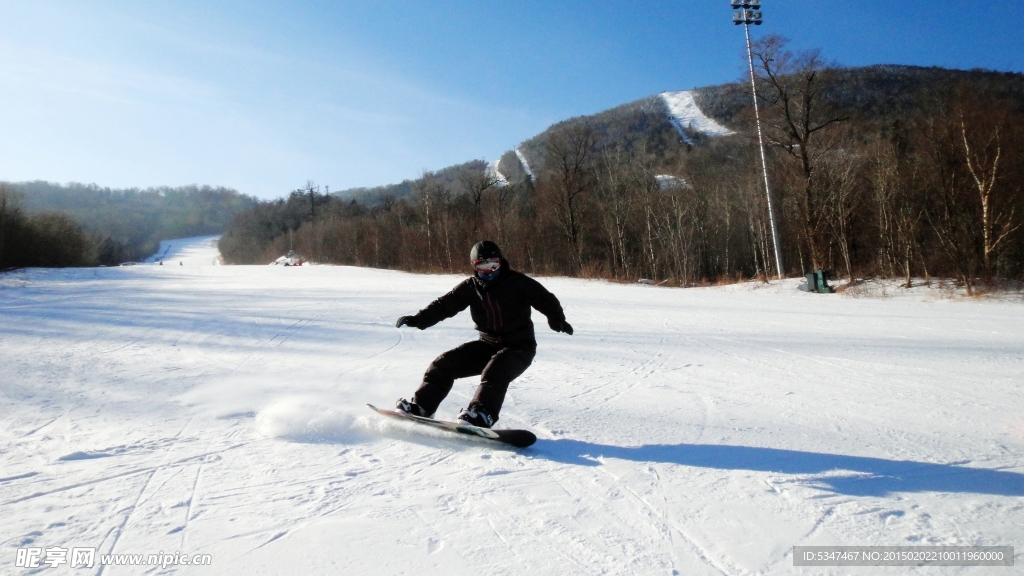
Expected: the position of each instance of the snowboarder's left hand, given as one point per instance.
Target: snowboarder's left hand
(562, 326)
(408, 321)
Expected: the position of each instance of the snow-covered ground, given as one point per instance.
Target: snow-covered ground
(522, 160)
(220, 410)
(666, 181)
(192, 251)
(686, 114)
(492, 171)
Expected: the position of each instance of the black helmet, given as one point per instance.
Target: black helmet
(484, 250)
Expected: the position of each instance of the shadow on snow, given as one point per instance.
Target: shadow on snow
(864, 477)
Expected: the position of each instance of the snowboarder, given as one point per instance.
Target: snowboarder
(499, 300)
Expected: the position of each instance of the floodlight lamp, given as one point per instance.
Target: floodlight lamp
(747, 17)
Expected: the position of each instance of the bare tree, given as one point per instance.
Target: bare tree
(617, 206)
(797, 114)
(311, 189)
(499, 204)
(973, 202)
(892, 177)
(982, 128)
(647, 194)
(475, 185)
(841, 194)
(568, 159)
(431, 196)
(678, 236)
(754, 206)
(950, 211)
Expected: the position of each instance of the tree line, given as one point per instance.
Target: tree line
(49, 239)
(932, 187)
(54, 225)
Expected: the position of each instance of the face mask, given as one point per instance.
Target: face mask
(489, 277)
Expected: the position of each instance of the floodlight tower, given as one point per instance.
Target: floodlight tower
(749, 13)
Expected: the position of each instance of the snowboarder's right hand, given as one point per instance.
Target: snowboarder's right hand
(407, 321)
(562, 326)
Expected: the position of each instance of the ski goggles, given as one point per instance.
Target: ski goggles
(487, 265)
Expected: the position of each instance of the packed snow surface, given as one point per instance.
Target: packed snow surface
(492, 171)
(221, 410)
(522, 160)
(686, 114)
(193, 251)
(666, 181)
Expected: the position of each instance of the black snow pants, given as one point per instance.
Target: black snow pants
(497, 365)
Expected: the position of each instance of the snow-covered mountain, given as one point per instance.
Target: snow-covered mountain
(672, 119)
(667, 119)
(671, 122)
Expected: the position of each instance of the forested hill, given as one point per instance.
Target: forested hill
(879, 93)
(116, 225)
(870, 94)
(404, 189)
(883, 170)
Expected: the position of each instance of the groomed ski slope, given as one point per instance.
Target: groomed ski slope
(220, 410)
(687, 115)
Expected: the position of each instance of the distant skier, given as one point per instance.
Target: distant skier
(499, 300)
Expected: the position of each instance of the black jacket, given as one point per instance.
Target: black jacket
(500, 309)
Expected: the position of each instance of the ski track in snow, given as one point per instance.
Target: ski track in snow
(220, 409)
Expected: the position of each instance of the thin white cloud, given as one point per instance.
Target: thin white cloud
(127, 100)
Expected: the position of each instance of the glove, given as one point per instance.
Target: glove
(560, 326)
(408, 321)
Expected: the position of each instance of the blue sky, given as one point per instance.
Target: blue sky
(263, 96)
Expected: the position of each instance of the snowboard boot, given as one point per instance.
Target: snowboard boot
(477, 415)
(412, 408)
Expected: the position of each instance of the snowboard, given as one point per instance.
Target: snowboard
(517, 438)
